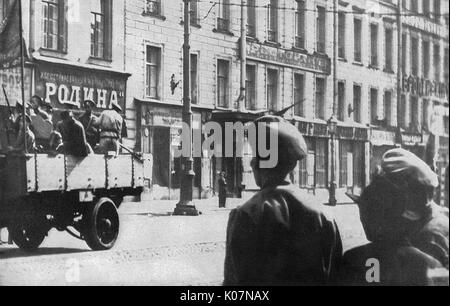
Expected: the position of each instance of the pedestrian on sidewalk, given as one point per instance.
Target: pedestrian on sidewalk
(223, 188)
(279, 237)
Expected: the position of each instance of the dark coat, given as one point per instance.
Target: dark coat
(278, 238)
(74, 138)
(405, 262)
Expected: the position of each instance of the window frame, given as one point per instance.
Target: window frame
(61, 36)
(251, 92)
(276, 93)
(147, 84)
(299, 110)
(300, 25)
(322, 109)
(357, 41)
(227, 83)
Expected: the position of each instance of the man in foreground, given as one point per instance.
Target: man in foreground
(407, 230)
(279, 237)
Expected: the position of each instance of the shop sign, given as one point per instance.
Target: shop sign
(412, 139)
(423, 24)
(424, 88)
(382, 138)
(11, 79)
(66, 86)
(289, 58)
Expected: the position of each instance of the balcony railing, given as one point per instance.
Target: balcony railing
(223, 24)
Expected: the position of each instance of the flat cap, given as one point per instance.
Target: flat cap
(400, 161)
(291, 143)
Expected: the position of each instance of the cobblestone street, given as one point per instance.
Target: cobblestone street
(154, 248)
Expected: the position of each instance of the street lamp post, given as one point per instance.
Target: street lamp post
(186, 206)
(332, 129)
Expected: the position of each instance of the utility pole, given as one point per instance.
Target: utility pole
(186, 206)
(399, 65)
(332, 123)
(242, 96)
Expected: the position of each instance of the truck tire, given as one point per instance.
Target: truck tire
(27, 233)
(101, 225)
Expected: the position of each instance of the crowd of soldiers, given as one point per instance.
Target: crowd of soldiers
(281, 237)
(79, 137)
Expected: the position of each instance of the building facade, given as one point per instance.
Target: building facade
(131, 52)
(74, 52)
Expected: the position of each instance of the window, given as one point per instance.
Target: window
(223, 21)
(414, 115)
(299, 94)
(153, 67)
(357, 40)
(272, 26)
(54, 25)
(321, 29)
(426, 59)
(446, 65)
(314, 168)
(101, 29)
(374, 106)
(300, 25)
(388, 108)
(251, 18)
(223, 83)
(437, 10)
(272, 89)
(402, 117)
(357, 103)
(320, 98)
(250, 84)
(345, 164)
(194, 79)
(426, 7)
(414, 56)
(4, 8)
(321, 163)
(404, 53)
(341, 101)
(437, 62)
(153, 7)
(414, 6)
(307, 166)
(341, 35)
(374, 45)
(388, 49)
(194, 13)
(425, 114)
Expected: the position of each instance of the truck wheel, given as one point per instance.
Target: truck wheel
(27, 234)
(102, 225)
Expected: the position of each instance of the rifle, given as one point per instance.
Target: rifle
(282, 112)
(7, 100)
(135, 155)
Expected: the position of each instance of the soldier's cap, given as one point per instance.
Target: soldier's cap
(291, 143)
(89, 102)
(407, 164)
(116, 106)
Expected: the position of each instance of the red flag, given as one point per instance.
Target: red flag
(10, 38)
